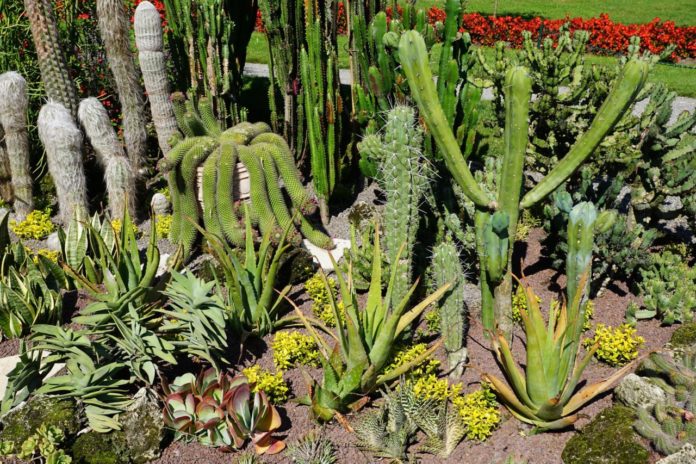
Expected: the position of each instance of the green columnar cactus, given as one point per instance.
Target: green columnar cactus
(211, 219)
(404, 179)
(148, 39)
(496, 232)
(54, 70)
(119, 173)
(114, 25)
(669, 289)
(208, 41)
(5, 173)
(62, 141)
(232, 228)
(581, 222)
(446, 267)
(13, 121)
(262, 211)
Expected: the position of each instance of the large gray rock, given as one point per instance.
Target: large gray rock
(636, 392)
(143, 427)
(160, 205)
(686, 455)
(53, 242)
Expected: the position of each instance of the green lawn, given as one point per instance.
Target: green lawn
(681, 79)
(682, 12)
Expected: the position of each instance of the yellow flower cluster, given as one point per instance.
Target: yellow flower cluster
(163, 224)
(617, 345)
(408, 353)
(293, 348)
(479, 411)
(116, 224)
(430, 387)
(37, 225)
(52, 255)
(321, 300)
(519, 301)
(273, 385)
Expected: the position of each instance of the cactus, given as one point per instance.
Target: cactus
(208, 41)
(62, 141)
(446, 267)
(494, 230)
(119, 173)
(54, 70)
(404, 179)
(13, 121)
(267, 159)
(114, 25)
(148, 39)
(669, 289)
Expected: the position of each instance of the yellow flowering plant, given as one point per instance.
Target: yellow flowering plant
(272, 384)
(616, 346)
(36, 226)
(291, 348)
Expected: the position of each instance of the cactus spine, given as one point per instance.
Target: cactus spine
(62, 141)
(54, 69)
(119, 173)
(13, 121)
(148, 39)
(495, 232)
(403, 179)
(114, 25)
(447, 268)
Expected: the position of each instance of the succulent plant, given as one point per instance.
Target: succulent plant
(220, 410)
(669, 289)
(313, 448)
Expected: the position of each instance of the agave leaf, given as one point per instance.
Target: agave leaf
(591, 391)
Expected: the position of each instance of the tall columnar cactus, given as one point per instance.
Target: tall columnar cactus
(54, 69)
(148, 39)
(62, 141)
(496, 219)
(403, 178)
(208, 42)
(114, 25)
(119, 173)
(266, 157)
(5, 173)
(13, 121)
(446, 267)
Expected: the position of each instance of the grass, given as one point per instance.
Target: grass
(681, 79)
(683, 13)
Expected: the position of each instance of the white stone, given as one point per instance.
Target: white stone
(159, 204)
(686, 455)
(53, 242)
(323, 257)
(163, 265)
(9, 362)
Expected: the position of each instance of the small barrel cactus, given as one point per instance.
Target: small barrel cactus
(63, 143)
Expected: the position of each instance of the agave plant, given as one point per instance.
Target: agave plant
(220, 410)
(357, 364)
(544, 393)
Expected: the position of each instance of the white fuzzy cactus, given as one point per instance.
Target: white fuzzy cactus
(119, 174)
(148, 39)
(13, 119)
(62, 140)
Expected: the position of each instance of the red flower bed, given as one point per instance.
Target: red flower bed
(606, 36)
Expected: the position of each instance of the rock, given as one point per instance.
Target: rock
(100, 448)
(322, 257)
(608, 439)
(143, 427)
(635, 392)
(138, 442)
(163, 264)
(20, 423)
(160, 205)
(671, 204)
(686, 455)
(4, 212)
(53, 242)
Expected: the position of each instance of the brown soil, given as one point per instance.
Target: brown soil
(512, 437)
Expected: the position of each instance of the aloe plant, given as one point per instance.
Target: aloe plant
(364, 345)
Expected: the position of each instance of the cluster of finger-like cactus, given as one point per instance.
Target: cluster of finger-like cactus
(267, 158)
(669, 424)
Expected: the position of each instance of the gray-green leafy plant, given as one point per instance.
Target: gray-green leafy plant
(669, 289)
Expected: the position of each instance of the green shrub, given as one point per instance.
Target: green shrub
(479, 411)
(616, 345)
(272, 384)
(294, 348)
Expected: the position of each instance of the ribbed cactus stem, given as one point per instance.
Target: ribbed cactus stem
(13, 121)
(581, 225)
(148, 39)
(622, 94)
(261, 204)
(54, 69)
(224, 206)
(119, 174)
(447, 269)
(62, 141)
(114, 25)
(415, 61)
(209, 186)
(5, 172)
